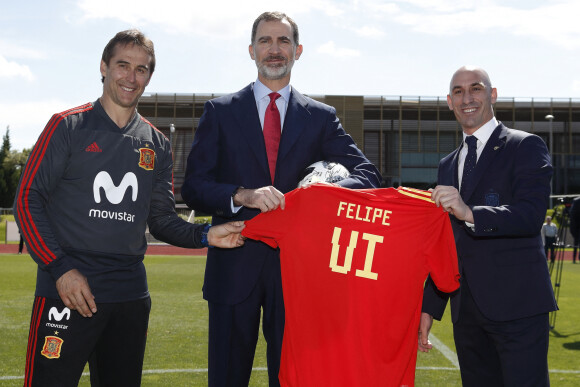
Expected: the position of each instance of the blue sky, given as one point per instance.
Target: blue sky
(50, 50)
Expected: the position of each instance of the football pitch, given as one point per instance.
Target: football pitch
(177, 342)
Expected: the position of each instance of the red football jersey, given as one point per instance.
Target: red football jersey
(354, 263)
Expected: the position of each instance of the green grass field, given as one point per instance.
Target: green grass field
(177, 343)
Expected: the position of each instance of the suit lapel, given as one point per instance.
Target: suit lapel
(447, 170)
(295, 122)
(495, 143)
(454, 166)
(248, 122)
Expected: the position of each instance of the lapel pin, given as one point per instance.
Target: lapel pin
(495, 147)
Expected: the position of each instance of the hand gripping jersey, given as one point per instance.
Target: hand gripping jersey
(86, 196)
(353, 267)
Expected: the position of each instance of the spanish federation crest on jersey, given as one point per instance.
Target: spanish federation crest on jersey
(146, 158)
(52, 347)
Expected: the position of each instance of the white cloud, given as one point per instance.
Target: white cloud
(555, 22)
(12, 50)
(440, 5)
(330, 48)
(174, 16)
(213, 19)
(10, 69)
(370, 32)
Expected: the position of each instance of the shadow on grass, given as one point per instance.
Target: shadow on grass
(559, 335)
(575, 346)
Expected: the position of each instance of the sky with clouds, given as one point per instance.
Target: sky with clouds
(50, 50)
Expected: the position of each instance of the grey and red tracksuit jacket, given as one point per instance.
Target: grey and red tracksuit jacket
(86, 196)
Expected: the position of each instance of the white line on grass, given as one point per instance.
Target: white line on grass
(203, 370)
(445, 350)
(168, 371)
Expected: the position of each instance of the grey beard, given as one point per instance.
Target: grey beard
(274, 73)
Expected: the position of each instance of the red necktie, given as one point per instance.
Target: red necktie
(272, 131)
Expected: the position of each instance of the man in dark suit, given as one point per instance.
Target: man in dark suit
(232, 175)
(501, 311)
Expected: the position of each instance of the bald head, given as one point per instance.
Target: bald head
(483, 76)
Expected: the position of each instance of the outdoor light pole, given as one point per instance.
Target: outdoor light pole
(550, 118)
(171, 131)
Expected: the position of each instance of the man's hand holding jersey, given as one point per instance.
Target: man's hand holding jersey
(226, 235)
(265, 199)
(75, 292)
(450, 200)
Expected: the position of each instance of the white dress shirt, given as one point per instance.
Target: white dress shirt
(482, 134)
(261, 93)
(263, 100)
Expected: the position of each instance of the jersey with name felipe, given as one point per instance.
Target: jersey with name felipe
(87, 194)
(353, 267)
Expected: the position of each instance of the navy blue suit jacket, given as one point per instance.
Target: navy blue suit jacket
(229, 151)
(503, 258)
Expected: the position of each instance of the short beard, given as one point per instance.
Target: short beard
(274, 73)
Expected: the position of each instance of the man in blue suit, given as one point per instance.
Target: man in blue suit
(501, 311)
(229, 175)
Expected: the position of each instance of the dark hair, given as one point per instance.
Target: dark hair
(275, 16)
(123, 38)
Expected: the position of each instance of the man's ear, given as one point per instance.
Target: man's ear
(251, 51)
(103, 68)
(493, 95)
(298, 52)
(449, 102)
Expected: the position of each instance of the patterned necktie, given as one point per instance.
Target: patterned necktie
(469, 164)
(272, 132)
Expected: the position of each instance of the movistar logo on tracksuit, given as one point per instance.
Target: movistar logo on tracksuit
(53, 313)
(114, 194)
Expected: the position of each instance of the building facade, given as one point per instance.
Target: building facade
(405, 137)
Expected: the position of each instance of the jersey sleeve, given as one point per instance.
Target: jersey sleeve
(44, 168)
(271, 227)
(441, 252)
(164, 223)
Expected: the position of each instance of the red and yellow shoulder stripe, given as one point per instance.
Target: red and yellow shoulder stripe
(416, 193)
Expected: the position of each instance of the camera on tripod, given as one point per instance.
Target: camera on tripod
(566, 216)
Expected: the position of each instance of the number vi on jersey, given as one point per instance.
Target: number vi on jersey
(372, 241)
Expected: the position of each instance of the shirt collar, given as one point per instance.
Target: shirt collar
(261, 91)
(484, 132)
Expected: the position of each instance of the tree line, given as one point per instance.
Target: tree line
(11, 166)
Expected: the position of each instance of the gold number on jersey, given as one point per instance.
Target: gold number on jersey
(345, 268)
